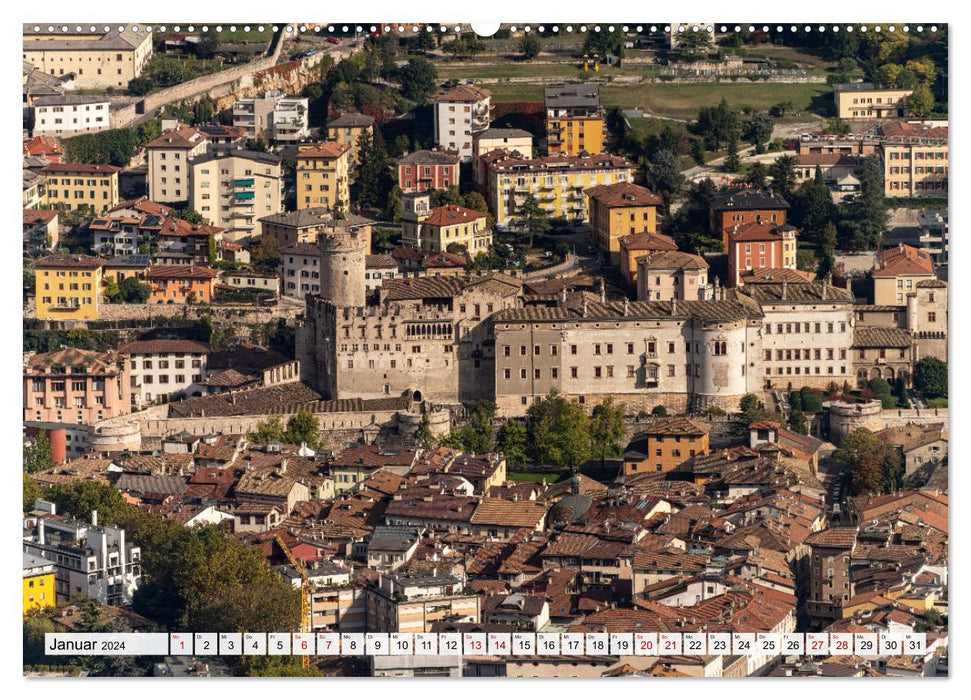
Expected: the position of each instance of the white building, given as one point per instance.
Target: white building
(168, 161)
(300, 270)
(89, 561)
(460, 113)
(242, 279)
(69, 115)
(273, 116)
(165, 369)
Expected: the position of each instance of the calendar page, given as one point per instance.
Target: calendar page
(526, 349)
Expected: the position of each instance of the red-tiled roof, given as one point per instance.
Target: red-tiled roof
(903, 260)
(181, 272)
(87, 168)
(462, 93)
(452, 214)
(325, 149)
(624, 194)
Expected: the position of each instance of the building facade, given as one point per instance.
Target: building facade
(275, 117)
(233, 189)
(71, 385)
(758, 246)
(347, 129)
(672, 275)
(73, 186)
(915, 160)
(323, 172)
(867, 101)
(68, 287)
(618, 210)
(898, 272)
(558, 183)
(165, 369)
(461, 112)
(575, 121)
(69, 115)
(99, 59)
(438, 228)
(168, 157)
(494, 139)
(728, 210)
(428, 170)
(181, 284)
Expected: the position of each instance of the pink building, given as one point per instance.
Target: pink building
(76, 386)
(428, 170)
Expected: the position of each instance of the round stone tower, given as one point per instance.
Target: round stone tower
(116, 438)
(342, 265)
(845, 417)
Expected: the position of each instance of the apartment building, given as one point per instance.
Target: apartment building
(558, 183)
(300, 270)
(575, 121)
(621, 209)
(275, 117)
(934, 234)
(760, 245)
(38, 575)
(98, 59)
(665, 445)
(460, 112)
(807, 332)
(70, 115)
(168, 159)
(428, 170)
(41, 230)
(347, 129)
(81, 186)
(89, 561)
(35, 189)
(234, 188)
(323, 172)
(438, 228)
(915, 159)
(831, 585)
(181, 284)
(72, 385)
(165, 369)
(867, 101)
(413, 602)
(632, 248)
(495, 139)
(726, 210)
(67, 287)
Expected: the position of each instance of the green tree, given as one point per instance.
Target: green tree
(529, 47)
(207, 46)
(31, 491)
(266, 254)
(797, 422)
(267, 431)
(758, 130)
(783, 174)
(930, 377)
(811, 402)
(477, 435)
(718, 125)
(37, 455)
(532, 218)
(393, 210)
(511, 441)
(418, 79)
(423, 436)
(79, 498)
(873, 466)
(755, 177)
(559, 431)
(203, 110)
(888, 74)
(373, 173)
(827, 249)
(664, 177)
(129, 291)
(732, 161)
(607, 429)
(866, 217)
(303, 428)
(921, 101)
(659, 410)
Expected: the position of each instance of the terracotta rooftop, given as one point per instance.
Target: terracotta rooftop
(163, 346)
(836, 537)
(495, 511)
(462, 93)
(328, 150)
(881, 337)
(672, 260)
(903, 260)
(648, 241)
(73, 261)
(624, 194)
(85, 168)
(177, 272)
(452, 214)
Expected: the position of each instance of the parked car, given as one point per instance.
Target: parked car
(333, 40)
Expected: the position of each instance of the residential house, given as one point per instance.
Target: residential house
(169, 172)
(70, 115)
(73, 186)
(760, 245)
(495, 139)
(347, 129)
(632, 248)
(73, 385)
(867, 101)
(99, 57)
(618, 210)
(181, 284)
(897, 273)
(919, 444)
(41, 231)
(734, 208)
(460, 112)
(67, 287)
(915, 159)
(671, 275)
(323, 173)
(165, 369)
(428, 170)
(38, 575)
(665, 445)
(575, 121)
(448, 226)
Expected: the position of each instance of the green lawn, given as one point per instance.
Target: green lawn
(572, 70)
(533, 477)
(681, 101)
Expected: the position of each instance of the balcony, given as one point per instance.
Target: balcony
(65, 306)
(245, 182)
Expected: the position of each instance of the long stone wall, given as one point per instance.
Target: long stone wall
(219, 314)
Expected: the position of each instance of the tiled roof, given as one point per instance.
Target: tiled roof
(770, 275)
(495, 511)
(826, 159)
(723, 310)
(678, 426)
(183, 137)
(283, 398)
(505, 162)
(624, 194)
(672, 260)
(445, 286)
(913, 435)
(835, 537)
(151, 484)
(430, 158)
(163, 346)
(746, 199)
(75, 261)
(881, 337)
(328, 150)
(807, 292)
(452, 214)
(497, 133)
(759, 231)
(896, 130)
(373, 262)
(462, 93)
(375, 456)
(351, 119)
(94, 362)
(177, 272)
(903, 260)
(85, 168)
(648, 241)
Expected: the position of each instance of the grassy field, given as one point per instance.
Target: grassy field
(681, 101)
(566, 70)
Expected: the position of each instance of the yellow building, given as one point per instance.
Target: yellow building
(915, 160)
(38, 583)
(559, 183)
(81, 185)
(97, 58)
(322, 176)
(898, 272)
(67, 287)
(618, 210)
(348, 129)
(34, 186)
(866, 101)
(637, 246)
(438, 228)
(575, 122)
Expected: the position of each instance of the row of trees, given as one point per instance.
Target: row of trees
(112, 146)
(556, 432)
(302, 427)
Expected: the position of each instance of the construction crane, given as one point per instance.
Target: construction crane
(304, 591)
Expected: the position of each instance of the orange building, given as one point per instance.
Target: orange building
(745, 206)
(759, 245)
(621, 209)
(665, 446)
(180, 284)
(72, 385)
(637, 246)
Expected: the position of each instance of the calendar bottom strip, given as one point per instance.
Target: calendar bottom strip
(472, 644)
